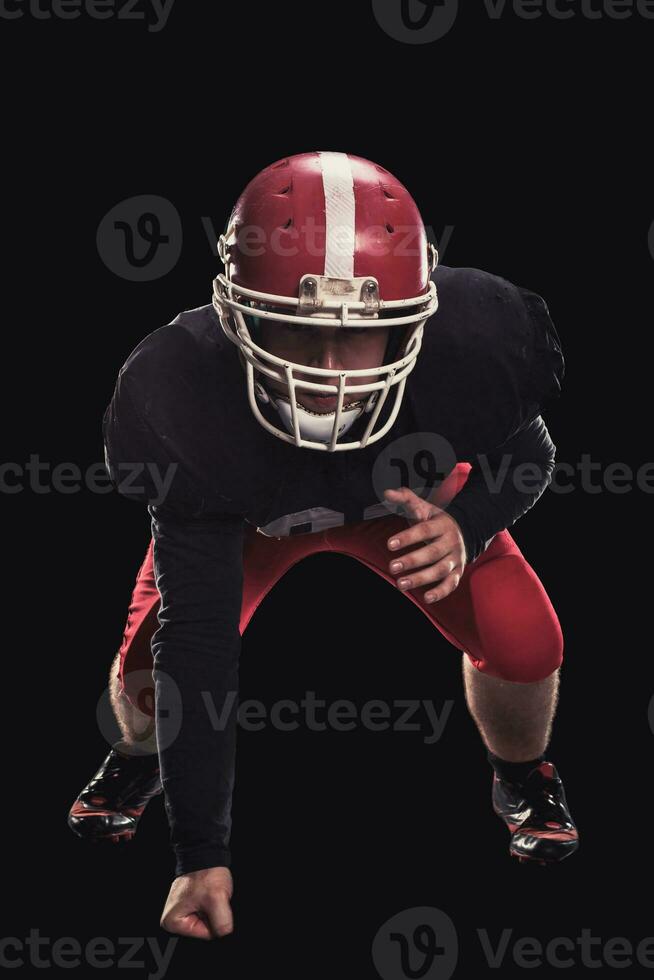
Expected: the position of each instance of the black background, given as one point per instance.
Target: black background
(530, 139)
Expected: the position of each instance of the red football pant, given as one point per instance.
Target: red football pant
(499, 615)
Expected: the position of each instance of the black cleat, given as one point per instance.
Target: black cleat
(537, 815)
(110, 805)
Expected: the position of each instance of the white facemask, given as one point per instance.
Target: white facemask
(313, 426)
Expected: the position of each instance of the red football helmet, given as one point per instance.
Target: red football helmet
(333, 240)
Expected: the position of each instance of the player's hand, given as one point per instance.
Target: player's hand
(438, 556)
(198, 904)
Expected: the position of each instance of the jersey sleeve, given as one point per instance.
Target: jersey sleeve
(136, 459)
(488, 504)
(493, 364)
(544, 377)
(503, 485)
(199, 574)
(161, 443)
(152, 454)
(490, 362)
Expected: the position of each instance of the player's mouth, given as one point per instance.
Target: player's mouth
(317, 403)
(321, 404)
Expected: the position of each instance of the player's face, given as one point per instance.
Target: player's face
(332, 348)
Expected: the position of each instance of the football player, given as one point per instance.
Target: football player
(343, 392)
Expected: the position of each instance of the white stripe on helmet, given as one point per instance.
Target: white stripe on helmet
(338, 184)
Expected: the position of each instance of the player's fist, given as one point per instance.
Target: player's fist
(438, 554)
(198, 904)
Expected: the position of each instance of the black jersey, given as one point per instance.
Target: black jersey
(490, 359)
(181, 438)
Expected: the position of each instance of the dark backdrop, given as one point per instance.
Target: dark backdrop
(524, 141)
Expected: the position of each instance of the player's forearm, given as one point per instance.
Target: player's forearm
(195, 653)
(197, 764)
(502, 486)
